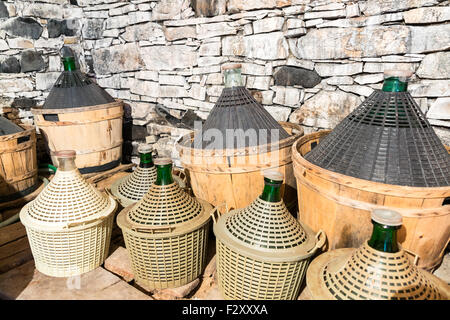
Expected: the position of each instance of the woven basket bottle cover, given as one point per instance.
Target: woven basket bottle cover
(378, 270)
(69, 223)
(166, 233)
(132, 188)
(386, 139)
(236, 109)
(262, 250)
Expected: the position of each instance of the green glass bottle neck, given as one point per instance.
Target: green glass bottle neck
(164, 175)
(271, 191)
(394, 84)
(233, 78)
(384, 238)
(146, 160)
(69, 64)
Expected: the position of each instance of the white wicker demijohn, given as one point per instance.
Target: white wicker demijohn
(69, 223)
(262, 250)
(377, 270)
(131, 188)
(166, 233)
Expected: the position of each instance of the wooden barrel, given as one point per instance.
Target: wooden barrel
(95, 132)
(232, 179)
(341, 206)
(18, 164)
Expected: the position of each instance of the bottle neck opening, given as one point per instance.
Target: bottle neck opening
(233, 78)
(146, 160)
(164, 175)
(395, 84)
(384, 238)
(66, 164)
(69, 64)
(272, 190)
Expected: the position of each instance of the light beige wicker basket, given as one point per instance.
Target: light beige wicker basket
(366, 273)
(69, 223)
(263, 252)
(166, 235)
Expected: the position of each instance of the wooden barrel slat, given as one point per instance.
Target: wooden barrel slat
(237, 179)
(341, 206)
(18, 163)
(94, 132)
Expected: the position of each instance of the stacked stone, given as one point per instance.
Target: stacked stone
(309, 62)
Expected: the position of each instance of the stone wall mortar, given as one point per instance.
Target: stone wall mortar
(309, 62)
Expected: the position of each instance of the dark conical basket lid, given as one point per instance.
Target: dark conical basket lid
(237, 109)
(73, 89)
(8, 127)
(387, 139)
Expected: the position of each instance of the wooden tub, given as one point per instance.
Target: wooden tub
(94, 132)
(341, 206)
(18, 164)
(232, 179)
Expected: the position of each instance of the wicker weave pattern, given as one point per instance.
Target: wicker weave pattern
(164, 206)
(67, 198)
(65, 254)
(134, 186)
(166, 262)
(266, 225)
(386, 139)
(241, 277)
(366, 273)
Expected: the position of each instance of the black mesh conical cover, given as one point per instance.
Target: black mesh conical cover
(237, 109)
(73, 89)
(386, 139)
(8, 127)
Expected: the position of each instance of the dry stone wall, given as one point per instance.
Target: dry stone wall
(309, 62)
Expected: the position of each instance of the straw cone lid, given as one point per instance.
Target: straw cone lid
(8, 127)
(68, 199)
(366, 273)
(387, 139)
(265, 231)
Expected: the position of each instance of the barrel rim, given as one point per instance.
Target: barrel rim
(39, 111)
(361, 184)
(28, 130)
(184, 148)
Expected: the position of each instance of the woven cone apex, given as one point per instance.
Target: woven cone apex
(387, 139)
(237, 109)
(73, 89)
(266, 225)
(134, 186)
(366, 273)
(165, 205)
(68, 198)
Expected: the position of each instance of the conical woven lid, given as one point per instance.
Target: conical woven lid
(73, 89)
(8, 127)
(265, 230)
(134, 186)
(237, 109)
(167, 206)
(68, 199)
(366, 273)
(386, 139)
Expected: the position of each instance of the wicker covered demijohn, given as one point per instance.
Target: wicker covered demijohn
(262, 250)
(133, 187)
(384, 154)
(238, 140)
(79, 115)
(377, 270)
(18, 163)
(166, 233)
(69, 223)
